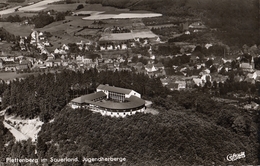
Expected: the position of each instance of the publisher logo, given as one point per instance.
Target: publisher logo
(234, 156)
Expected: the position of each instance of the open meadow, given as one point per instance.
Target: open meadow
(127, 36)
(121, 16)
(62, 7)
(37, 6)
(16, 28)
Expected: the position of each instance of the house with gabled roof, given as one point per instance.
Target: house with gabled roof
(150, 68)
(159, 66)
(138, 66)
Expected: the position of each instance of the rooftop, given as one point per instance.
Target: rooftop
(89, 97)
(114, 89)
(132, 102)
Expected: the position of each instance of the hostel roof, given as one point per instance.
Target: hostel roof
(89, 97)
(114, 89)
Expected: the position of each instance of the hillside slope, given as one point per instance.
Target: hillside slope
(174, 137)
(237, 21)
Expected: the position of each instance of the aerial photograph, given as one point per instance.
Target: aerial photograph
(129, 82)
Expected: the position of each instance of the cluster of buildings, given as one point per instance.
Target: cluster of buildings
(13, 63)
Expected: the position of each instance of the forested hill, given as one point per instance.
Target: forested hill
(236, 19)
(177, 136)
(190, 128)
(46, 94)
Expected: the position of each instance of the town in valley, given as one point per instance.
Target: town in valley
(85, 75)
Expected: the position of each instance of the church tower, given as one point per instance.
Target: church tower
(253, 63)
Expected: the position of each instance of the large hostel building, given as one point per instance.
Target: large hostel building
(111, 101)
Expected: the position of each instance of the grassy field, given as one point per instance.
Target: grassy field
(17, 29)
(62, 7)
(90, 32)
(5, 47)
(121, 16)
(63, 33)
(114, 53)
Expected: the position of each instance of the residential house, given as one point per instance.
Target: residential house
(239, 78)
(251, 76)
(181, 85)
(124, 68)
(22, 67)
(79, 58)
(49, 63)
(131, 65)
(1, 64)
(73, 66)
(102, 48)
(250, 80)
(248, 67)
(257, 73)
(187, 32)
(138, 66)
(159, 66)
(8, 58)
(26, 62)
(108, 60)
(150, 68)
(165, 81)
(123, 46)
(57, 62)
(64, 62)
(189, 82)
(198, 81)
(110, 67)
(218, 78)
(116, 66)
(184, 26)
(86, 60)
(110, 47)
(10, 66)
(206, 77)
(56, 51)
(172, 86)
(129, 59)
(46, 43)
(102, 67)
(158, 73)
(208, 45)
(194, 59)
(197, 27)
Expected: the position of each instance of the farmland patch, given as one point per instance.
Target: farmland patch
(16, 28)
(121, 16)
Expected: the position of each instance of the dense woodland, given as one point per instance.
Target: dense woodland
(46, 94)
(190, 128)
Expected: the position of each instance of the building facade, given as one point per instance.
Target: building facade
(111, 101)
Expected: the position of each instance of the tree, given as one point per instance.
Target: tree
(41, 147)
(42, 19)
(135, 59)
(69, 1)
(209, 63)
(213, 69)
(80, 6)
(60, 16)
